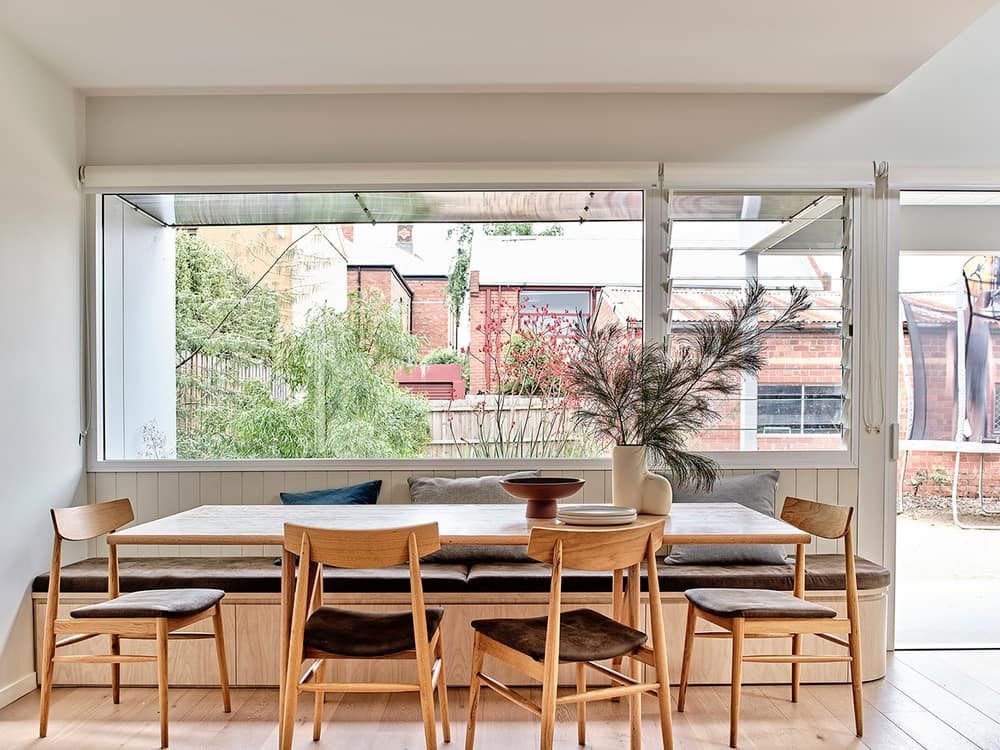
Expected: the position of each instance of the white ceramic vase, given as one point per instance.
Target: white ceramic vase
(633, 485)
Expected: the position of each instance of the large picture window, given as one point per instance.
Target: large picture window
(402, 325)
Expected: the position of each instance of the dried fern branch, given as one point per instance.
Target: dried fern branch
(635, 394)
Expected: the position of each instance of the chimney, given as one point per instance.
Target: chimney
(474, 283)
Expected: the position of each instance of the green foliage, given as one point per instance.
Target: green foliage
(219, 310)
(648, 394)
(936, 476)
(325, 390)
(521, 229)
(343, 365)
(458, 276)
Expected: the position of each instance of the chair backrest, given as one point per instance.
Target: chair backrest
(353, 548)
(595, 548)
(87, 521)
(818, 519)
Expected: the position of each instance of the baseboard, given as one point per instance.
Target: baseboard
(18, 689)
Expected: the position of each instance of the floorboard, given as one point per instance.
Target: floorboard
(931, 700)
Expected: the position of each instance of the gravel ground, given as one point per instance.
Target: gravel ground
(938, 507)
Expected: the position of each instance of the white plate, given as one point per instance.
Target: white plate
(595, 521)
(596, 515)
(597, 509)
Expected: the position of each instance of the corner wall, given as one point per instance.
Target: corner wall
(41, 382)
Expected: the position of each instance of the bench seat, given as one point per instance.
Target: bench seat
(489, 584)
(259, 575)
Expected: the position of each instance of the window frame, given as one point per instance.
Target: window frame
(654, 214)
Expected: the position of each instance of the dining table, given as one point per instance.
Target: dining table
(458, 524)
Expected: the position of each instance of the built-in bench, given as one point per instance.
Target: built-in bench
(469, 589)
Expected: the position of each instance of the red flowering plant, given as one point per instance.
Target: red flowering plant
(528, 413)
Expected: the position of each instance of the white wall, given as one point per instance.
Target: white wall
(40, 338)
(945, 113)
(139, 333)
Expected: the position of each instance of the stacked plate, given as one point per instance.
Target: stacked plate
(595, 514)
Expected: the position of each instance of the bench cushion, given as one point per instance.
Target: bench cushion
(823, 573)
(240, 575)
(259, 575)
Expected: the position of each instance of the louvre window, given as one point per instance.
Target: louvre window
(713, 242)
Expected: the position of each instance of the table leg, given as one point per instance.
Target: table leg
(287, 592)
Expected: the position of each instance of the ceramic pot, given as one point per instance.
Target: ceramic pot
(633, 485)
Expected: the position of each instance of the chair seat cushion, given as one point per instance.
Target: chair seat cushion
(158, 603)
(755, 603)
(584, 635)
(348, 632)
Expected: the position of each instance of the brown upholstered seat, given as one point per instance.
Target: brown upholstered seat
(159, 603)
(584, 635)
(755, 603)
(347, 632)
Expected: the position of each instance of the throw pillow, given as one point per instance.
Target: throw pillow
(464, 489)
(755, 492)
(365, 493)
(470, 490)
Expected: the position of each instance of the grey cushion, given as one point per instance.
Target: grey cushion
(584, 635)
(349, 632)
(755, 603)
(755, 492)
(464, 489)
(158, 603)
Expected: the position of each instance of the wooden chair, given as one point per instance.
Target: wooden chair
(321, 633)
(751, 613)
(537, 646)
(145, 615)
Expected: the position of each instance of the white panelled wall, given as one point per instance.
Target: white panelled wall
(156, 494)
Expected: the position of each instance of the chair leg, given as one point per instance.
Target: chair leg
(318, 700)
(689, 639)
(442, 691)
(116, 670)
(162, 639)
(48, 668)
(426, 684)
(796, 667)
(635, 708)
(290, 695)
(550, 687)
(855, 644)
(474, 689)
(220, 653)
(581, 707)
(734, 697)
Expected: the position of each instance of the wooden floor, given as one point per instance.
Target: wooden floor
(939, 700)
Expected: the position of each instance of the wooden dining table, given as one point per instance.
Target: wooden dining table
(497, 524)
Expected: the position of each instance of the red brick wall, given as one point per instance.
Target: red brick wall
(431, 317)
(810, 357)
(385, 282)
(485, 301)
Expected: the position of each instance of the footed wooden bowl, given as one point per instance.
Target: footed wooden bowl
(542, 493)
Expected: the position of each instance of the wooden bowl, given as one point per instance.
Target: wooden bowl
(542, 493)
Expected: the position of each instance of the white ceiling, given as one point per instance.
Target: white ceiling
(774, 46)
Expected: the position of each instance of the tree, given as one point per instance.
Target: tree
(458, 276)
(342, 366)
(326, 389)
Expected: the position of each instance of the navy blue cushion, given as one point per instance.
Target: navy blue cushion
(365, 493)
